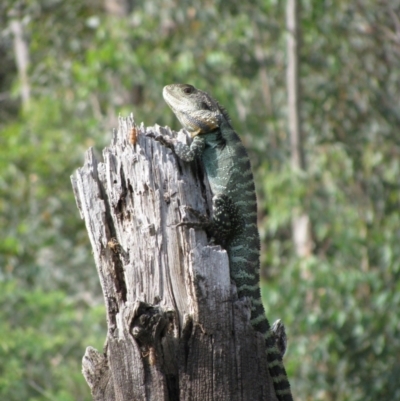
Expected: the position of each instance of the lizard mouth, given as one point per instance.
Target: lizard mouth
(195, 133)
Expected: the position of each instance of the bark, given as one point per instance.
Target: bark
(301, 225)
(176, 329)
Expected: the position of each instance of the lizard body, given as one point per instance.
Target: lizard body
(234, 222)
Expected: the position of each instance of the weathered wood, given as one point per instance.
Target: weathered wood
(176, 330)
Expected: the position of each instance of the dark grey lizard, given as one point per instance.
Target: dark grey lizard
(234, 220)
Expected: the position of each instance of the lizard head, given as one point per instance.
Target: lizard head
(196, 110)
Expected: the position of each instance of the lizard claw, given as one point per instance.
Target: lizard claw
(203, 221)
(150, 134)
(164, 140)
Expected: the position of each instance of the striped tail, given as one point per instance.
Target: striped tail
(244, 264)
(275, 366)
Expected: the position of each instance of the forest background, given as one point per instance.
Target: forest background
(69, 68)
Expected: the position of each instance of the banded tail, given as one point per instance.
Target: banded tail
(244, 264)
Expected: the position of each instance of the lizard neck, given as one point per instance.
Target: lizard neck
(226, 162)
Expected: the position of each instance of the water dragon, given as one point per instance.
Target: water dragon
(234, 221)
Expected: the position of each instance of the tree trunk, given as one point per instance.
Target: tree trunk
(176, 329)
(301, 225)
(21, 52)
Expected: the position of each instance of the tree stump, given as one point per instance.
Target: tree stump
(176, 328)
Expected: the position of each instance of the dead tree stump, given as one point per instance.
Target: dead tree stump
(176, 329)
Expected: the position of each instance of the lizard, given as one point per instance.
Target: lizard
(234, 209)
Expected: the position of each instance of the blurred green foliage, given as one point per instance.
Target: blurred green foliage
(42, 344)
(88, 65)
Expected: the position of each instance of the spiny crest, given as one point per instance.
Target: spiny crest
(224, 112)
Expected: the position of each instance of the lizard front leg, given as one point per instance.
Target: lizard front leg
(166, 141)
(187, 153)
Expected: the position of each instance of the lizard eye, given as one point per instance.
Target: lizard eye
(188, 89)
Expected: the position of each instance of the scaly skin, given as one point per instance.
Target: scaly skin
(234, 223)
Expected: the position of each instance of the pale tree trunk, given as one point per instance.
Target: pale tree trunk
(176, 329)
(118, 8)
(21, 53)
(301, 225)
(263, 72)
